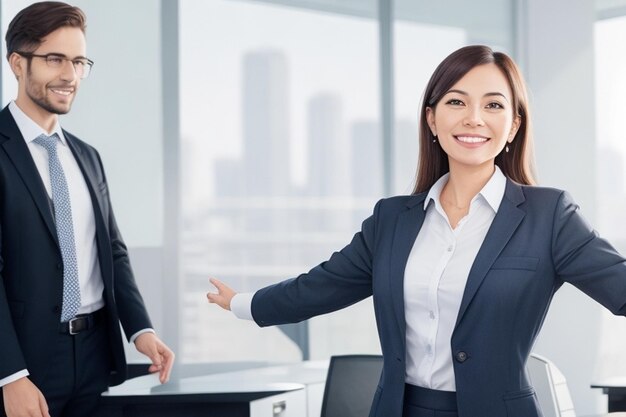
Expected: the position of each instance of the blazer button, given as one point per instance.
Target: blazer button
(461, 356)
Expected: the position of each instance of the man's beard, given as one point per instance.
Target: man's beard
(43, 101)
(46, 105)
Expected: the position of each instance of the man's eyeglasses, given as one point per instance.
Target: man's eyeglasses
(82, 66)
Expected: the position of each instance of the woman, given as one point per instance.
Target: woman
(462, 272)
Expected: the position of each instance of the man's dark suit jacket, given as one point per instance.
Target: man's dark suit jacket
(537, 241)
(31, 268)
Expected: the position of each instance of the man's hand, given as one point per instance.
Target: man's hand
(224, 294)
(23, 399)
(161, 356)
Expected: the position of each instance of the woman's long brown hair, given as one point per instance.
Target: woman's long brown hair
(518, 163)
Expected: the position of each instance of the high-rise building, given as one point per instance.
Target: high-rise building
(329, 148)
(266, 123)
(228, 178)
(406, 148)
(367, 159)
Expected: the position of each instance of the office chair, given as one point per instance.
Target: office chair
(350, 385)
(550, 386)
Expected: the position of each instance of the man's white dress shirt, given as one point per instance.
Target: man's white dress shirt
(83, 219)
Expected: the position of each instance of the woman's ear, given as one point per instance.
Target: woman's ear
(514, 128)
(430, 119)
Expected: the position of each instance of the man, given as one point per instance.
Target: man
(64, 268)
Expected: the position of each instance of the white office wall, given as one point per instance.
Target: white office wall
(556, 43)
(119, 110)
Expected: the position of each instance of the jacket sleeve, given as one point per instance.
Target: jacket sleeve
(10, 351)
(342, 280)
(585, 260)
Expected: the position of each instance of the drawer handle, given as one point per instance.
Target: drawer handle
(278, 408)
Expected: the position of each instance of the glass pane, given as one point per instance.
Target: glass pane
(281, 163)
(610, 67)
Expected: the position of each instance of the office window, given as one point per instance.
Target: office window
(280, 136)
(610, 67)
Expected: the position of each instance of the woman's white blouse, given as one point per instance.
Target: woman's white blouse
(435, 277)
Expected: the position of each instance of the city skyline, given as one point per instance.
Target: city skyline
(258, 225)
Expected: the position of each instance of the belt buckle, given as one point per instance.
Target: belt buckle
(71, 325)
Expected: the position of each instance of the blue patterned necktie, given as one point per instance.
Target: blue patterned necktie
(65, 227)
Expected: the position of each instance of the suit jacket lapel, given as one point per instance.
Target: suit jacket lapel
(505, 223)
(407, 227)
(14, 145)
(88, 174)
(97, 202)
(91, 180)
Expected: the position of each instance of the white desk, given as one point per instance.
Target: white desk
(277, 391)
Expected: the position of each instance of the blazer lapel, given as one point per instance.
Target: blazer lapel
(407, 227)
(87, 173)
(90, 179)
(505, 223)
(17, 151)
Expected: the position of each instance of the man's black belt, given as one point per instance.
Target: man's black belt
(82, 322)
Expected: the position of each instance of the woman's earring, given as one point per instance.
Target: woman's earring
(506, 149)
(435, 138)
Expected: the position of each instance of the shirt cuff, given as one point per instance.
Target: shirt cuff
(14, 377)
(139, 333)
(241, 305)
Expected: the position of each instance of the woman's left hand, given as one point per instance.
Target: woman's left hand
(224, 294)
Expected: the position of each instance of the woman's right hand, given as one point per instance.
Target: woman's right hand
(224, 294)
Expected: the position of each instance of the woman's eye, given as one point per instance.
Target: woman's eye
(455, 102)
(495, 105)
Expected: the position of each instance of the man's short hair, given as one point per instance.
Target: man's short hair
(37, 21)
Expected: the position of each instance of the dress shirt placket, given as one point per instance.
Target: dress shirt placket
(447, 245)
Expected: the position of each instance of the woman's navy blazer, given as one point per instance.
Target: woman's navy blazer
(538, 240)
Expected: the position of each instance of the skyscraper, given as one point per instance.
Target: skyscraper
(405, 160)
(367, 170)
(329, 149)
(266, 123)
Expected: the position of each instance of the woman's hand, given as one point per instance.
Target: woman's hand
(224, 294)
